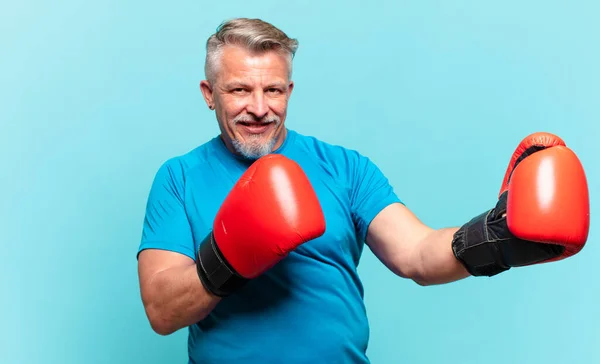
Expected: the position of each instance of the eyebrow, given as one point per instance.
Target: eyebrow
(276, 85)
(236, 84)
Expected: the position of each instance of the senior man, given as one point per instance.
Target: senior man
(252, 239)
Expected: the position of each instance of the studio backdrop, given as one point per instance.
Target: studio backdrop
(96, 95)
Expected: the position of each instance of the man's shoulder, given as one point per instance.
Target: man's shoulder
(330, 153)
(181, 164)
(315, 144)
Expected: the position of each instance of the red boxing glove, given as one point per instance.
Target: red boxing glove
(548, 200)
(542, 213)
(270, 211)
(529, 145)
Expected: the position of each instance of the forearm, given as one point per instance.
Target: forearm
(435, 261)
(176, 298)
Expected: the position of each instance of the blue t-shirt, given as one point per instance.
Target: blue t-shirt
(309, 307)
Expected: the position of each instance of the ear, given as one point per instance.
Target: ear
(207, 92)
(290, 88)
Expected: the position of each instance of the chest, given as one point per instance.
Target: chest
(206, 192)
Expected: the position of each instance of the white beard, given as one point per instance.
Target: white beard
(253, 147)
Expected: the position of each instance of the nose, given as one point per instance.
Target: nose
(258, 105)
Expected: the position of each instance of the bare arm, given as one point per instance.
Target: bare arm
(413, 250)
(172, 293)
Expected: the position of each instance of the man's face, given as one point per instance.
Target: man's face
(250, 96)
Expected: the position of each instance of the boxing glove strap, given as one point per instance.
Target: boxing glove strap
(476, 249)
(486, 247)
(216, 274)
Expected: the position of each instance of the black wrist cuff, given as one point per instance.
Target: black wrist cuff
(481, 260)
(486, 247)
(477, 250)
(215, 273)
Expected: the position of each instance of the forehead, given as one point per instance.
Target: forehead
(237, 62)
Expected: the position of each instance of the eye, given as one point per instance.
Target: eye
(238, 90)
(274, 90)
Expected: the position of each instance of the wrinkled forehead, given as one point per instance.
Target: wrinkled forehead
(240, 63)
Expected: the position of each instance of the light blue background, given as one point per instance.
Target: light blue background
(95, 95)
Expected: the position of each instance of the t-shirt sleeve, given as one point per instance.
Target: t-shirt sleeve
(371, 192)
(166, 225)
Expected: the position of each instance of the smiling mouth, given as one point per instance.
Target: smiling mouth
(253, 127)
(254, 123)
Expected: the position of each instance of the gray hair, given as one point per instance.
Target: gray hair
(253, 34)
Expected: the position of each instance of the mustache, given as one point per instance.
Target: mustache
(251, 119)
